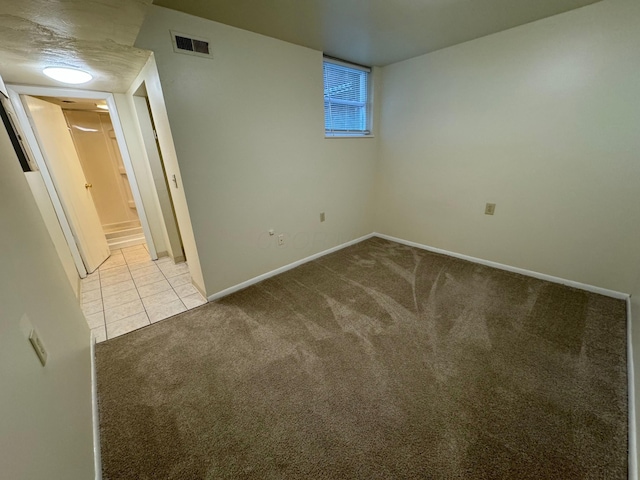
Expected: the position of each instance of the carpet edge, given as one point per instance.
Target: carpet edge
(501, 266)
(290, 266)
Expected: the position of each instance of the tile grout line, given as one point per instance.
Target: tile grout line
(82, 292)
(173, 289)
(104, 313)
(144, 307)
(135, 286)
(104, 310)
(137, 291)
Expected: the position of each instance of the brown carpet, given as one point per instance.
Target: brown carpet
(379, 361)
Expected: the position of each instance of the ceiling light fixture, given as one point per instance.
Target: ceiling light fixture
(103, 107)
(67, 75)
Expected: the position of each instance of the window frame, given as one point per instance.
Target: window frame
(368, 133)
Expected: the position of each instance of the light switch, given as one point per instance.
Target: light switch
(37, 345)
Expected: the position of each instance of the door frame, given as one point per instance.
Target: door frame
(14, 94)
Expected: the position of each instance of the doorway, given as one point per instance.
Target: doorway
(78, 145)
(93, 135)
(162, 180)
(124, 285)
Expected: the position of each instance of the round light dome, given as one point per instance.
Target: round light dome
(67, 75)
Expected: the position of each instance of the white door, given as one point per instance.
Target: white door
(66, 172)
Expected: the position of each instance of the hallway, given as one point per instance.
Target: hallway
(130, 291)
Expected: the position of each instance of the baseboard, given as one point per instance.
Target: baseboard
(488, 263)
(633, 454)
(97, 459)
(509, 268)
(633, 460)
(633, 439)
(108, 227)
(277, 271)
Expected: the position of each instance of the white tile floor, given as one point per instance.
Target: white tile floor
(130, 291)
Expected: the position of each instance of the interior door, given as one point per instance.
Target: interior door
(64, 167)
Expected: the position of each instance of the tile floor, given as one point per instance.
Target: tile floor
(130, 291)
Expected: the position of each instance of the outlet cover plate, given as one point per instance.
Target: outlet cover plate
(490, 209)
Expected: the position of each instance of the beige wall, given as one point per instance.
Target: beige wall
(102, 165)
(249, 134)
(543, 120)
(45, 414)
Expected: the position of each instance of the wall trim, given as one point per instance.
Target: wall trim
(277, 271)
(632, 441)
(509, 268)
(97, 458)
(488, 263)
(633, 435)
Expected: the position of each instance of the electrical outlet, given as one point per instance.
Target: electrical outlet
(490, 209)
(281, 239)
(322, 216)
(37, 345)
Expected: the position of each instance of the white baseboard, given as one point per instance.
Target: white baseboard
(633, 438)
(97, 459)
(509, 268)
(633, 454)
(633, 460)
(277, 271)
(488, 263)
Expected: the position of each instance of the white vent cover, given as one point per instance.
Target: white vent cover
(184, 43)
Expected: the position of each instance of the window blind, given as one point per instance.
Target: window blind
(346, 102)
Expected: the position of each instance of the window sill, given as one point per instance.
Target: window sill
(349, 136)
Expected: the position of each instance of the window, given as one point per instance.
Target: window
(346, 99)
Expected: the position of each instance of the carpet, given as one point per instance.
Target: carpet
(379, 361)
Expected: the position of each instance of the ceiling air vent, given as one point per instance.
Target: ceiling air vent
(190, 45)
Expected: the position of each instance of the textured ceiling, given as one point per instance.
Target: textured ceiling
(94, 35)
(98, 35)
(374, 32)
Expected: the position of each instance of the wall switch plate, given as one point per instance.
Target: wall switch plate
(490, 209)
(281, 239)
(37, 345)
(322, 216)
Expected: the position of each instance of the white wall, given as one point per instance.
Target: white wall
(144, 122)
(541, 119)
(144, 178)
(149, 76)
(45, 414)
(41, 196)
(635, 341)
(249, 135)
